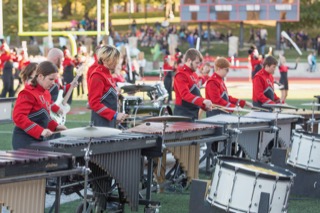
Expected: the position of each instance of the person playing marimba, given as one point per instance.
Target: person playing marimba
(31, 112)
(102, 90)
(188, 97)
(216, 90)
(263, 89)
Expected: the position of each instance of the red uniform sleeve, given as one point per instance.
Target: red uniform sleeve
(181, 87)
(54, 107)
(21, 111)
(237, 101)
(258, 91)
(96, 91)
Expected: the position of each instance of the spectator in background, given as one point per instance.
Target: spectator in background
(133, 27)
(142, 63)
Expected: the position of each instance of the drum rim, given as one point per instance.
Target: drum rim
(306, 134)
(285, 173)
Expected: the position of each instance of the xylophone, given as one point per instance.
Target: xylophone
(183, 140)
(23, 176)
(307, 116)
(285, 122)
(249, 130)
(116, 156)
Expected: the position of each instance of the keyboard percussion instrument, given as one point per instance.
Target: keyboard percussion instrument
(245, 131)
(182, 139)
(117, 155)
(23, 176)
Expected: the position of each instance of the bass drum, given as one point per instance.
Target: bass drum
(305, 151)
(238, 185)
(139, 113)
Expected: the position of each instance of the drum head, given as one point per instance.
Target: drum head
(268, 171)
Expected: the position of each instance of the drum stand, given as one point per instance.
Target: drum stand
(276, 128)
(311, 121)
(86, 171)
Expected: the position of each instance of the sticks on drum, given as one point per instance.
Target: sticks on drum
(260, 109)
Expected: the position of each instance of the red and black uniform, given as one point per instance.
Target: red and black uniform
(188, 97)
(284, 75)
(89, 72)
(7, 75)
(217, 92)
(31, 115)
(203, 79)
(103, 97)
(168, 76)
(263, 90)
(255, 65)
(54, 90)
(68, 67)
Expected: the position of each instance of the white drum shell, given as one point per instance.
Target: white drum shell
(243, 195)
(305, 152)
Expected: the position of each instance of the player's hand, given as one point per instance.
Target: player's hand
(208, 104)
(121, 117)
(46, 133)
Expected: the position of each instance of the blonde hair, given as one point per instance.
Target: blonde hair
(221, 63)
(108, 54)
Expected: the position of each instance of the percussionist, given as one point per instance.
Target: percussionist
(188, 97)
(216, 90)
(263, 90)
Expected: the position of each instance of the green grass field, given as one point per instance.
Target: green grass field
(175, 202)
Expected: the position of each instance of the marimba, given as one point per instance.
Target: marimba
(285, 122)
(306, 117)
(247, 134)
(23, 176)
(117, 156)
(183, 140)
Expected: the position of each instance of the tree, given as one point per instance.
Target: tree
(66, 8)
(31, 11)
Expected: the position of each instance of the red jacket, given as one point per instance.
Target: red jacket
(217, 92)
(254, 61)
(184, 80)
(100, 82)
(90, 70)
(263, 88)
(30, 100)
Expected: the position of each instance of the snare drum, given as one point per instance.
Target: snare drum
(130, 102)
(305, 151)
(238, 183)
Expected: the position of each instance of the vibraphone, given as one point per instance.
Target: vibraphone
(116, 156)
(307, 116)
(249, 132)
(23, 176)
(183, 140)
(285, 122)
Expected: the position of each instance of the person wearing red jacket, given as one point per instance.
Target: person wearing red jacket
(216, 90)
(6, 66)
(102, 91)
(31, 113)
(263, 89)
(188, 97)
